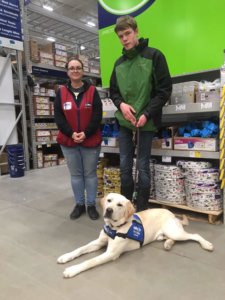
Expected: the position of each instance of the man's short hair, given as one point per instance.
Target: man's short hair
(125, 22)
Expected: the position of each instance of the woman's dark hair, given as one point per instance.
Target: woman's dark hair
(74, 58)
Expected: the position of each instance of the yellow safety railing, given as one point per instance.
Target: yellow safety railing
(222, 139)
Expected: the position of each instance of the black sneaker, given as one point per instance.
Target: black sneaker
(77, 212)
(92, 212)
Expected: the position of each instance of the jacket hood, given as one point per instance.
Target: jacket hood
(86, 82)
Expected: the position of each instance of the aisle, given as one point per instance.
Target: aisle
(35, 229)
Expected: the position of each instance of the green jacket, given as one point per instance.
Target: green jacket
(141, 78)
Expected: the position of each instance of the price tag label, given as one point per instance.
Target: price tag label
(166, 159)
(195, 154)
(180, 107)
(206, 105)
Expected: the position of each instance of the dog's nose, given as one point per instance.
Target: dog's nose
(108, 212)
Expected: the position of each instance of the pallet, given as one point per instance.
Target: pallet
(194, 214)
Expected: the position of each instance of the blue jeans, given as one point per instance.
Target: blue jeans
(126, 146)
(82, 164)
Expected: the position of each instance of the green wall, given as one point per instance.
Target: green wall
(191, 34)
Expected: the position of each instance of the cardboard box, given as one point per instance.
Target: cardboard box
(46, 55)
(4, 163)
(157, 144)
(34, 51)
(61, 58)
(196, 143)
(167, 143)
(48, 48)
(40, 132)
(47, 61)
(59, 47)
(208, 96)
(60, 64)
(184, 92)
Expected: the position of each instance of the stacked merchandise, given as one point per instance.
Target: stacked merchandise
(60, 55)
(152, 178)
(110, 133)
(102, 163)
(201, 185)
(169, 184)
(41, 106)
(34, 51)
(111, 180)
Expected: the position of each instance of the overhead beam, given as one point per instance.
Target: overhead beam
(60, 18)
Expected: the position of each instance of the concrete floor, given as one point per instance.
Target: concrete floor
(35, 229)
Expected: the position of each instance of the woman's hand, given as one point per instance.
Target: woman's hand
(78, 137)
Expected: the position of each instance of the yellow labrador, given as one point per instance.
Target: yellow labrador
(125, 231)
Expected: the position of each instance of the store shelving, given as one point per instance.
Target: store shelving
(44, 73)
(176, 114)
(38, 67)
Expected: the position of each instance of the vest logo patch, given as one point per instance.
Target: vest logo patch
(135, 232)
(67, 105)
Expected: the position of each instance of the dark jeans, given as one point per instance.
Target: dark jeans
(126, 146)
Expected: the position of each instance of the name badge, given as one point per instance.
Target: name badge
(67, 105)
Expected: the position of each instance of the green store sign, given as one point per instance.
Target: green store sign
(120, 7)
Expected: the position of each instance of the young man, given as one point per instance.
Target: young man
(140, 85)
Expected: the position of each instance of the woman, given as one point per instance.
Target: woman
(78, 115)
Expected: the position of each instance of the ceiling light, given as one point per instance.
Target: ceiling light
(91, 24)
(82, 47)
(47, 7)
(51, 39)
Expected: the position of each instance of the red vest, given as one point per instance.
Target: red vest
(78, 117)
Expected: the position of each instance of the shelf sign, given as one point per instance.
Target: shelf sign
(206, 105)
(196, 154)
(48, 72)
(180, 107)
(10, 25)
(166, 159)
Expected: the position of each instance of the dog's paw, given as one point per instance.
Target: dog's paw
(64, 258)
(71, 272)
(208, 246)
(168, 244)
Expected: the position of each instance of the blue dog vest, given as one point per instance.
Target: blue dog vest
(135, 232)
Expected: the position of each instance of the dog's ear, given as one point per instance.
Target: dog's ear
(130, 210)
(102, 201)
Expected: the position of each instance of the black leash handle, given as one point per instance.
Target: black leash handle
(134, 197)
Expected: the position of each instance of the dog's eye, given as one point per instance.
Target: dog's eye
(109, 200)
(119, 204)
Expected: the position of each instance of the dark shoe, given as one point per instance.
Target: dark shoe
(77, 212)
(92, 212)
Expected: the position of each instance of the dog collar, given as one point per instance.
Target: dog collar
(135, 232)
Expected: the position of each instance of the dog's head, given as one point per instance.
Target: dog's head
(116, 209)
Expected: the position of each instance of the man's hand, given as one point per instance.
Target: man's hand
(142, 121)
(128, 113)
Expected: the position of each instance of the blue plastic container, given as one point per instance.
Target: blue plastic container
(16, 160)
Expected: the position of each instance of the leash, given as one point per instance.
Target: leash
(137, 135)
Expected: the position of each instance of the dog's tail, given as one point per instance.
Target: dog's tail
(184, 221)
